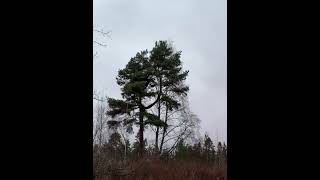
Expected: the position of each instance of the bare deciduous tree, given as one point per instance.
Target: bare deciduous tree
(182, 124)
(100, 135)
(97, 97)
(100, 33)
(100, 123)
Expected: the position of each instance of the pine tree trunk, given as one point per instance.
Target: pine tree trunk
(141, 144)
(164, 129)
(157, 131)
(159, 113)
(157, 139)
(141, 129)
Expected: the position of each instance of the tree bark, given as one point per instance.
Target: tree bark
(159, 113)
(164, 129)
(157, 137)
(141, 139)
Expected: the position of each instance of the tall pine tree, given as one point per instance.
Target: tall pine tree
(169, 78)
(143, 81)
(138, 89)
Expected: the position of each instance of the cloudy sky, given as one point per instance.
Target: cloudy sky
(197, 28)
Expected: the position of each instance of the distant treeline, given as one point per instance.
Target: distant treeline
(203, 151)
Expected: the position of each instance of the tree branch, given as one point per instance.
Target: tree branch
(100, 44)
(101, 100)
(175, 144)
(148, 107)
(103, 33)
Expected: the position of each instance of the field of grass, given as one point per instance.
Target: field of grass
(168, 170)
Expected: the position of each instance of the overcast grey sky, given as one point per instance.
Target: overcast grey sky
(197, 28)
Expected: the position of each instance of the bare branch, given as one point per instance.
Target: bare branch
(102, 32)
(100, 44)
(101, 100)
(175, 144)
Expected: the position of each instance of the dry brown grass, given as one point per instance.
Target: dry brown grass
(178, 170)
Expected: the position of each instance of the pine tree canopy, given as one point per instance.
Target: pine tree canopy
(149, 78)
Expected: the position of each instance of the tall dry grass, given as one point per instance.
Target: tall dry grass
(167, 170)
